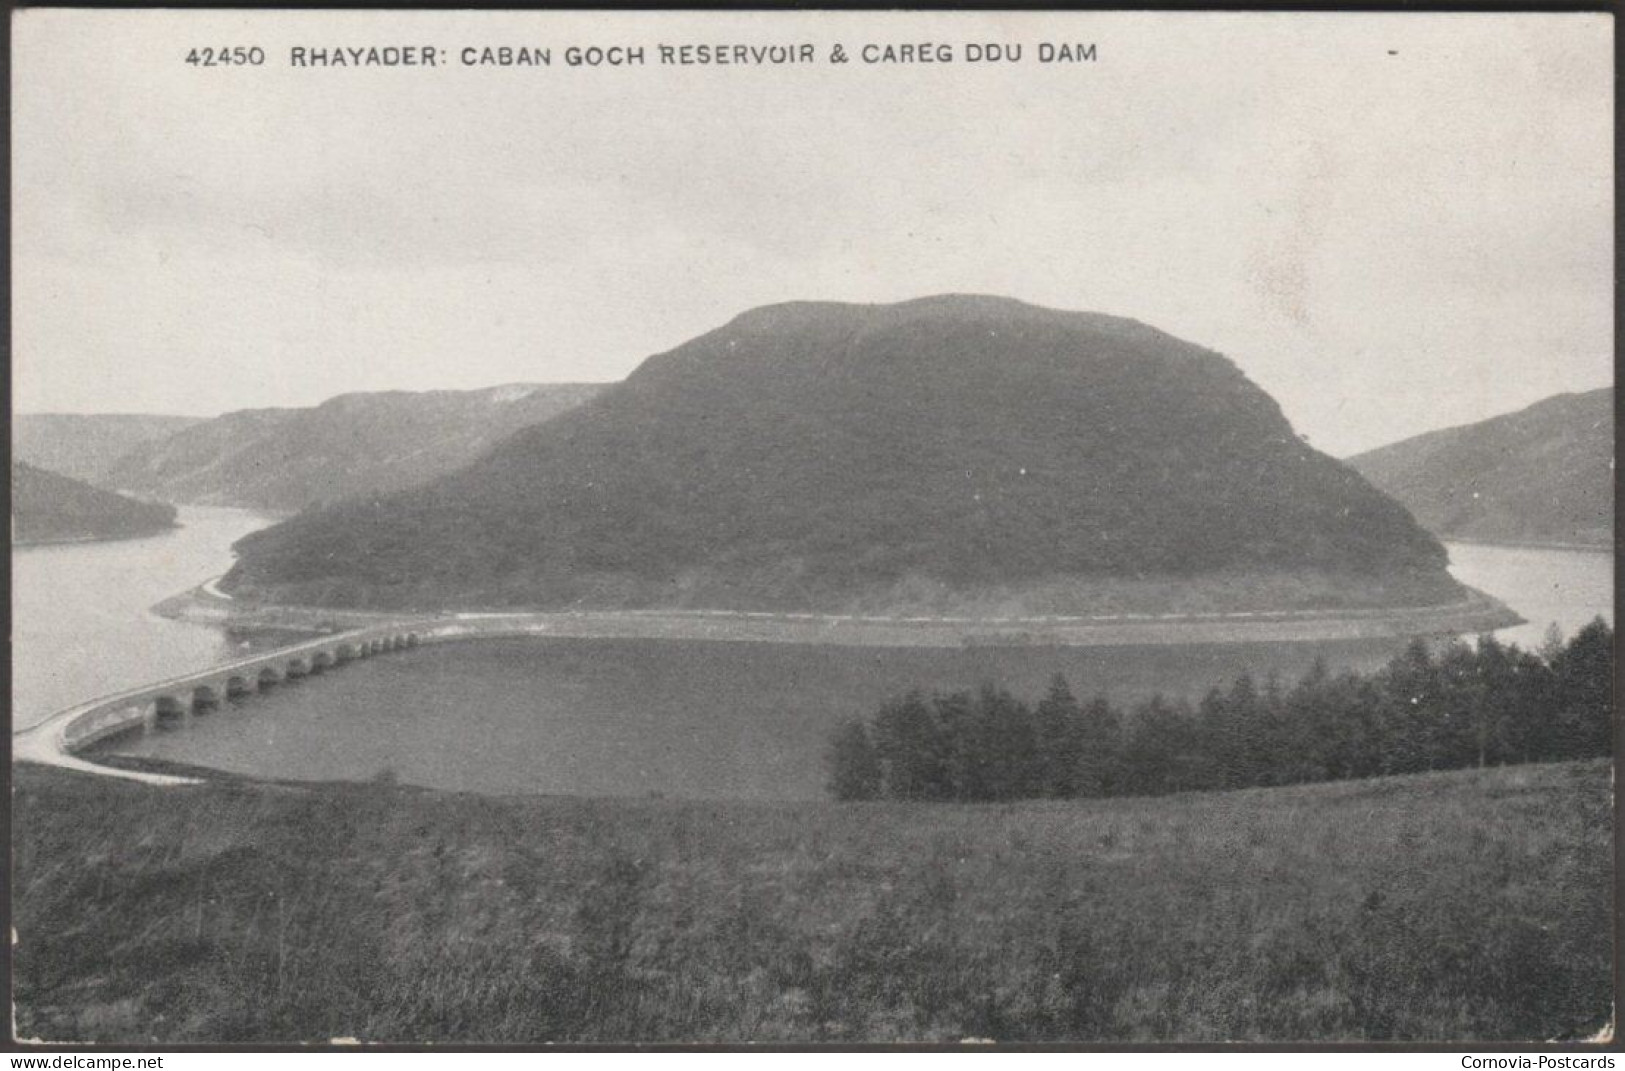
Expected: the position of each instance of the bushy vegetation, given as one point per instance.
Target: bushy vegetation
(1489, 704)
(1472, 905)
(808, 453)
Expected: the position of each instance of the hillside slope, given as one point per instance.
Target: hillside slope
(1441, 907)
(49, 508)
(1544, 474)
(284, 460)
(828, 456)
(85, 445)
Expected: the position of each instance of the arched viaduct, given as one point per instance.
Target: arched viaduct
(203, 692)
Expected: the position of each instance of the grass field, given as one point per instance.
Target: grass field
(1471, 905)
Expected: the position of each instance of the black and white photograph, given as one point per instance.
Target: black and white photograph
(808, 528)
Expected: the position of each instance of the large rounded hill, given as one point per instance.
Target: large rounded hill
(951, 453)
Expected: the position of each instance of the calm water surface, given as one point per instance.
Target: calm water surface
(633, 717)
(81, 615)
(602, 717)
(1566, 588)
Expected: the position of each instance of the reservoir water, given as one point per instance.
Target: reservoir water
(601, 717)
(81, 613)
(1566, 588)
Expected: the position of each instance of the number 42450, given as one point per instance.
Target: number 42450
(226, 57)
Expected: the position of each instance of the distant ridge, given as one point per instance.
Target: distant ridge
(1544, 474)
(284, 460)
(951, 453)
(47, 507)
(85, 445)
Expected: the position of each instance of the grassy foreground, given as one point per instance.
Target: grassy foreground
(1468, 905)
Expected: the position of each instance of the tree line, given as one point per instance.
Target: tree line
(1465, 705)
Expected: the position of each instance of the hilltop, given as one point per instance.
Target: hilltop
(1544, 474)
(284, 460)
(941, 453)
(50, 508)
(85, 445)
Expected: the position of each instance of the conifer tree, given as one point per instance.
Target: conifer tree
(1099, 767)
(1583, 691)
(1058, 726)
(855, 772)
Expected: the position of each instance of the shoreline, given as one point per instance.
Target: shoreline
(1479, 612)
(71, 541)
(1584, 548)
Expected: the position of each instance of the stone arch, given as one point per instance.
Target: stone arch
(296, 669)
(320, 661)
(204, 698)
(268, 676)
(237, 686)
(167, 708)
(412, 639)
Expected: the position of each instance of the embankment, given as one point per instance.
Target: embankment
(1477, 613)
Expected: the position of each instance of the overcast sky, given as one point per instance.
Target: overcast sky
(1391, 222)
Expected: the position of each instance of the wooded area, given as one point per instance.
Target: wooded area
(1465, 705)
